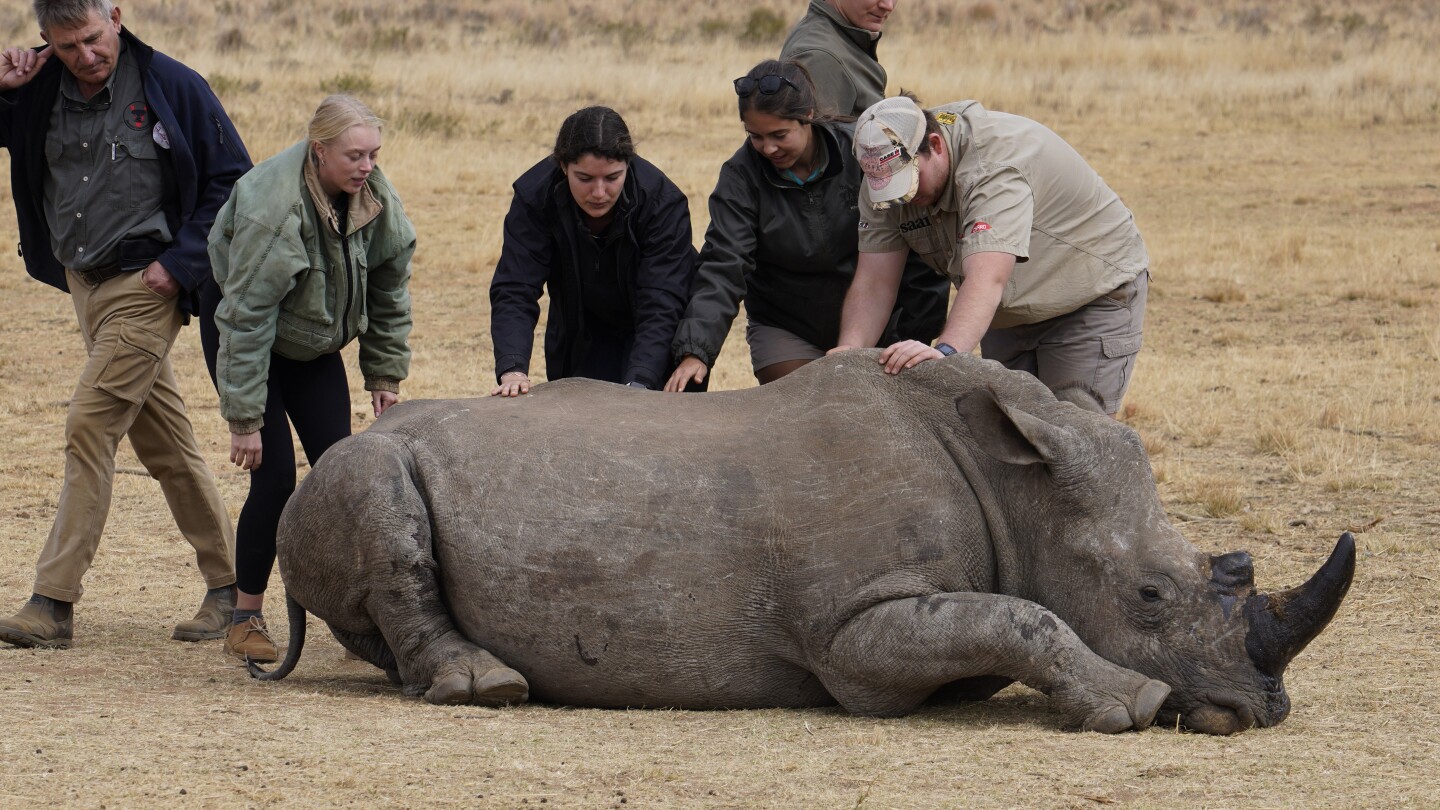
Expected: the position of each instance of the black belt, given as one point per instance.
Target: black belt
(100, 275)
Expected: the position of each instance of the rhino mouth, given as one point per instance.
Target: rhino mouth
(1224, 713)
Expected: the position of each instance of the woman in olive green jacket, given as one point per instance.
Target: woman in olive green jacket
(311, 251)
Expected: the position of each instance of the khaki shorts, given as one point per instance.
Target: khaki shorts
(1094, 346)
(771, 344)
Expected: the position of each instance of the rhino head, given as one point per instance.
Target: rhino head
(1196, 622)
(1104, 557)
(1277, 627)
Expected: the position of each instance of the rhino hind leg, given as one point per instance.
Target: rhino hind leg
(432, 657)
(890, 658)
(390, 612)
(371, 648)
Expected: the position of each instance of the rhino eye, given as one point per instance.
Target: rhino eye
(1150, 593)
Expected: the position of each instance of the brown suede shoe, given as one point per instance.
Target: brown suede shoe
(212, 620)
(249, 639)
(43, 623)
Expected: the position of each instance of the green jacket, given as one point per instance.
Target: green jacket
(840, 58)
(294, 286)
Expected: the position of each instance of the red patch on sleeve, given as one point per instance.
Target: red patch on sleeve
(980, 226)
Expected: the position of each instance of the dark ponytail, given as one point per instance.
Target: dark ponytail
(794, 101)
(598, 131)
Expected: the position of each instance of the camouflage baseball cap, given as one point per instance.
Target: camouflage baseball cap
(887, 139)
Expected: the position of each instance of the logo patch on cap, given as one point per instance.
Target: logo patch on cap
(880, 163)
(980, 226)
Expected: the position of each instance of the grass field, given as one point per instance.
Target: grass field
(1283, 163)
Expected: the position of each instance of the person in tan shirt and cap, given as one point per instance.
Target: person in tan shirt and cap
(1050, 270)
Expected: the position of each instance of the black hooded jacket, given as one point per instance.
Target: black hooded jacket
(542, 249)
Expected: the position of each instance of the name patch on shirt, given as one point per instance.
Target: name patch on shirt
(915, 224)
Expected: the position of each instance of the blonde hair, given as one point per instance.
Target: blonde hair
(338, 113)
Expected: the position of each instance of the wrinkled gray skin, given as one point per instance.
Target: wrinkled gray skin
(840, 535)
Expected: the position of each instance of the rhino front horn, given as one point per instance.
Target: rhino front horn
(1282, 623)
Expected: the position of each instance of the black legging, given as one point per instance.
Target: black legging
(315, 395)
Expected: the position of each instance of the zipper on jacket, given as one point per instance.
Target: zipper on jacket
(220, 134)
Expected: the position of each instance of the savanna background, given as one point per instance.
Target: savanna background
(1282, 160)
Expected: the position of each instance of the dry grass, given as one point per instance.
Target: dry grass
(1280, 159)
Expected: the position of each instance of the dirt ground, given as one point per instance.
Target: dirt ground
(1288, 390)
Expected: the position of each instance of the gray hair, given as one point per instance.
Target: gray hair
(69, 13)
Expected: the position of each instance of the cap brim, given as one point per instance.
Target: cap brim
(897, 189)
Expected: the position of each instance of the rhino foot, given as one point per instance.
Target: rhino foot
(456, 683)
(1141, 713)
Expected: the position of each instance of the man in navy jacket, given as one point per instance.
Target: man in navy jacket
(127, 154)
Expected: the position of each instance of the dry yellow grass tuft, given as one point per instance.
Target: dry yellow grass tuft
(1280, 159)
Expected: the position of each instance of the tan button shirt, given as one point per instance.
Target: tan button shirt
(1017, 188)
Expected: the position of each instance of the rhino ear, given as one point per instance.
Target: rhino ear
(1007, 433)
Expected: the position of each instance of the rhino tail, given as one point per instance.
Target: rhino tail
(292, 649)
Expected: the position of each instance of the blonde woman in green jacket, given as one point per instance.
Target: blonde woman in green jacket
(311, 251)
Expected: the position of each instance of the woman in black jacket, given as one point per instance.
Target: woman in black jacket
(782, 235)
(608, 235)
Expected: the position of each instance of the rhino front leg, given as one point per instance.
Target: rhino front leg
(891, 657)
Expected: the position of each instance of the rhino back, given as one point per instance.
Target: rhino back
(624, 547)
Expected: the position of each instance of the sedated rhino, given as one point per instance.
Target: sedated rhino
(838, 536)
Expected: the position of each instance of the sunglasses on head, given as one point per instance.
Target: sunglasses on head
(767, 85)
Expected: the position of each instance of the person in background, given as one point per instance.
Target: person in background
(94, 117)
(1051, 271)
(311, 251)
(837, 42)
(782, 233)
(608, 235)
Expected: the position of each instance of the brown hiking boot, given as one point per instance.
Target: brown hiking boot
(249, 639)
(213, 618)
(43, 622)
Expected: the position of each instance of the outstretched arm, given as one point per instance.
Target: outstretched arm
(986, 275)
(870, 298)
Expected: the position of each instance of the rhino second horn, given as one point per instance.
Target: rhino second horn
(1233, 572)
(1282, 623)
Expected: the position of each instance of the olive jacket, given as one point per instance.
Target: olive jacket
(840, 58)
(294, 285)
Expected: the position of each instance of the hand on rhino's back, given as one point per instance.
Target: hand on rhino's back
(840, 534)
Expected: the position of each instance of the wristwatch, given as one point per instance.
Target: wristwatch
(946, 349)
(638, 384)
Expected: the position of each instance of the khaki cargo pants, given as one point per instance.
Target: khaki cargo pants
(128, 388)
(1093, 347)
